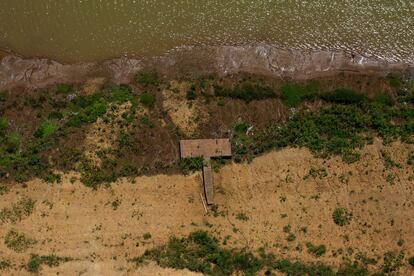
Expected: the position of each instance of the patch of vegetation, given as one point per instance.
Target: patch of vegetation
(122, 94)
(293, 94)
(199, 252)
(87, 109)
(4, 189)
(3, 96)
(333, 130)
(341, 216)
(53, 178)
(36, 261)
(147, 236)
(191, 94)
(344, 96)
(4, 264)
(242, 216)
(384, 99)
(18, 242)
(411, 261)
(64, 88)
(392, 262)
(388, 162)
(46, 129)
(19, 210)
(314, 173)
(316, 250)
(246, 92)
(147, 99)
(147, 78)
(189, 165)
(410, 159)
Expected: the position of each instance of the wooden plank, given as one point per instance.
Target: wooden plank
(208, 181)
(205, 148)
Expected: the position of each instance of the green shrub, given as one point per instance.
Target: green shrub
(384, 99)
(3, 96)
(55, 115)
(344, 96)
(147, 99)
(4, 189)
(123, 93)
(36, 261)
(53, 178)
(411, 261)
(46, 129)
(4, 124)
(293, 94)
(316, 250)
(18, 211)
(17, 242)
(191, 95)
(147, 236)
(12, 142)
(341, 216)
(246, 92)
(64, 88)
(392, 262)
(4, 264)
(147, 78)
(189, 165)
(200, 252)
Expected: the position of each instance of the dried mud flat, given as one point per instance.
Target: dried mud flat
(102, 230)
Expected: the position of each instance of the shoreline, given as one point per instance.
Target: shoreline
(187, 62)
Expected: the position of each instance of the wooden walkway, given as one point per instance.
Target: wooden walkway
(208, 181)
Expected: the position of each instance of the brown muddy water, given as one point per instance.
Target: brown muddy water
(84, 30)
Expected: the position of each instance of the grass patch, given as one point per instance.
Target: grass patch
(341, 216)
(18, 211)
(316, 250)
(18, 242)
(36, 261)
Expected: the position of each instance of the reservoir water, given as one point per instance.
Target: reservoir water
(84, 30)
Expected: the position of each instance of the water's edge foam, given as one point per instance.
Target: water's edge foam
(266, 60)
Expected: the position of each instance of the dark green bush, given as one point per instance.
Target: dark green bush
(123, 93)
(341, 216)
(147, 99)
(411, 261)
(46, 129)
(3, 96)
(293, 94)
(344, 96)
(246, 92)
(37, 261)
(316, 250)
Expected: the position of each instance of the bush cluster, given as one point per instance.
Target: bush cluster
(200, 252)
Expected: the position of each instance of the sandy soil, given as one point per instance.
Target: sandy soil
(101, 230)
